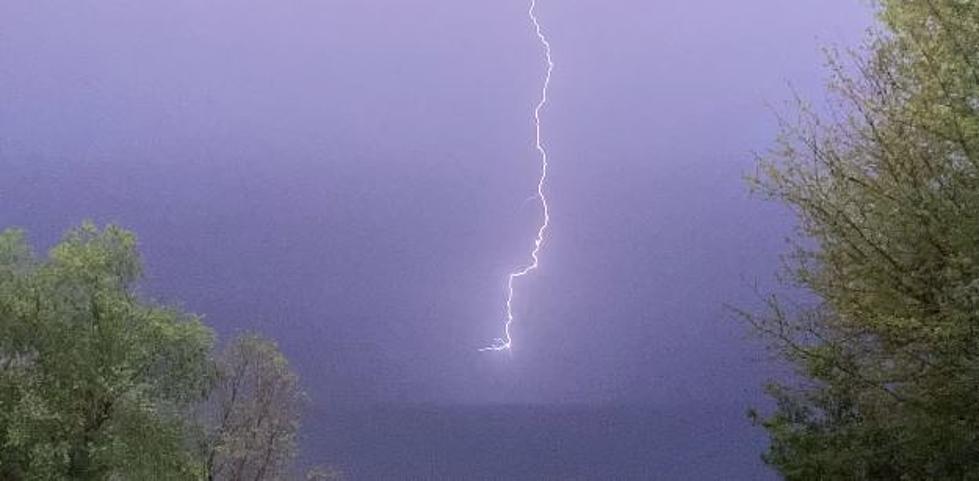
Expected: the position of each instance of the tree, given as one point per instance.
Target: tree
(886, 190)
(97, 383)
(94, 381)
(252, 415)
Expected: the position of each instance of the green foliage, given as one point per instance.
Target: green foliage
(887, 193)
(97, 383)
(94, 381)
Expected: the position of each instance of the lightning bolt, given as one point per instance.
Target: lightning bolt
(505, 343)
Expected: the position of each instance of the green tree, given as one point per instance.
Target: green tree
(95, 382)
(886, 189)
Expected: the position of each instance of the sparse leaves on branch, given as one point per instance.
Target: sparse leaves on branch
(252, 415)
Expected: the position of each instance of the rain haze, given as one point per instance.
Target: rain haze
(352, 178)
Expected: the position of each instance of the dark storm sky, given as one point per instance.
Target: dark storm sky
(350, 177)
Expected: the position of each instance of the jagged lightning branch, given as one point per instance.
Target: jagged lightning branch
(506, 342)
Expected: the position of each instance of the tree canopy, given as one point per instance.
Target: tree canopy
(93, 380)
(99, 383)
(886, 190)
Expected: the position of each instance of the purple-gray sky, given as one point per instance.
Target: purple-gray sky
(350, 177)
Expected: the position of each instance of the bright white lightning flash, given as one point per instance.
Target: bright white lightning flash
(506, 342)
